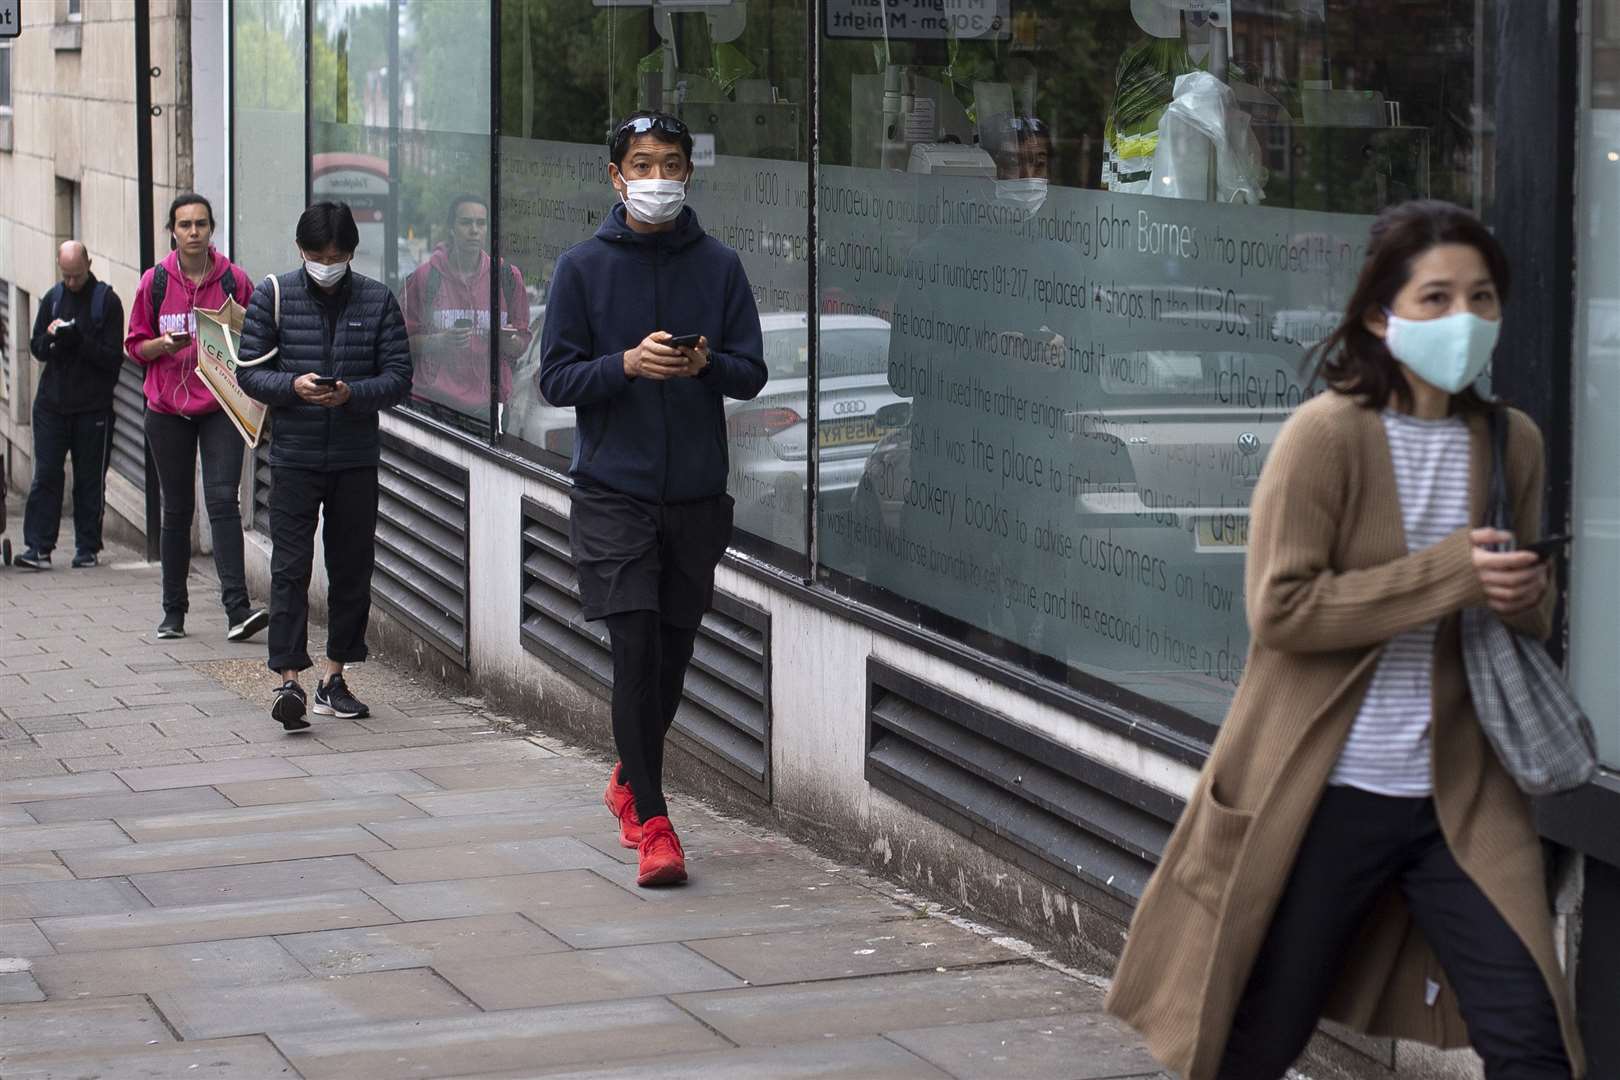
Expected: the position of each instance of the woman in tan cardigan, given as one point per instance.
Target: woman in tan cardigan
(1353, 848)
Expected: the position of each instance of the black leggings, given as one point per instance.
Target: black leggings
(649, 666)
(175, 442)
(1358, 844)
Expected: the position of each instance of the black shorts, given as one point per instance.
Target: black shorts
(640, 556)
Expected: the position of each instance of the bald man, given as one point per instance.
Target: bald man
(79, 337)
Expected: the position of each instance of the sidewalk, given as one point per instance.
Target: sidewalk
(187, 891)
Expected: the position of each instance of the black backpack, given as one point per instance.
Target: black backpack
(98, 304)
(160, 285)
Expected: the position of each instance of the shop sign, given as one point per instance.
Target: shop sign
(918, 19)
(10, 18)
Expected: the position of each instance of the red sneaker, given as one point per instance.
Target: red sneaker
(618, 795)
(630, 828)
(662, 860)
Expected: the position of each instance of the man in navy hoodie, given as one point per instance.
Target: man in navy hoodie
(649, 326)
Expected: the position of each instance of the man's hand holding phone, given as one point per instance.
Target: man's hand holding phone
(324, 390)
(662, 355)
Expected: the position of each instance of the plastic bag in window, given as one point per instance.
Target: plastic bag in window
(1203, 116)
(1145, 85)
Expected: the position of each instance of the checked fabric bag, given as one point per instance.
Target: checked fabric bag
(1542, 737)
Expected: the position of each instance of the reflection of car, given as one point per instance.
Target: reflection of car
(769, 435)
(1176, 441)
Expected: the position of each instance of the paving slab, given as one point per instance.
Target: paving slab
(260, 881)
(197, 822)
(86, 834)
(581, 891)
(585, 975)
(842, 952)
(420, 944)
(849, 1059)
(18, 867)
(14, 814)
(220, 851)
(347, 1000)
(401, 722)
(209, 922)
(509, 800)
(585, 822)
(732, 875)
(126, 804)
(41, 899)
(842, 1008)
(84, 1025)
(490, 859)
(214, 1059)
(22, 938)
(146, 759)
(387, 740)
(209, 773)
(704, 917)
(114, 972)
(19, 986)
(422, 756)
(389, 782)
(539, 772)
(1084, 1046)
(518, 1039)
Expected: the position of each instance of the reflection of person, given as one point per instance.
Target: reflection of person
(341, 357)
(1353, 835)
(447, 315)
(77, 336)
(651, 517)
(1021, 147)
(184, 419)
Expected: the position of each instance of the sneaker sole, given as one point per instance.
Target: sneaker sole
(170, 635)
(327, 710)
(626, 842)
(249, 628)
(289, 714)
(669, 875)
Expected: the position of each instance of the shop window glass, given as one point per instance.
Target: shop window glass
(267, 73)
(1594, 595)
(400, 93)
(1098, 236)
(735, 72)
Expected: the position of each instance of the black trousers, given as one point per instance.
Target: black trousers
(176, 442)
(1356, 846)
(649, 666)
(88, 437)
(298, 498)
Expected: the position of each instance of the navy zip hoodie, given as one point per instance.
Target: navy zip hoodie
(659, 441)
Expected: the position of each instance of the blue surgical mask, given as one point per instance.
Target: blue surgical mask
(1449, 353)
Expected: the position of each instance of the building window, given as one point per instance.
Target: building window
(69, 220)
(1095, 313)
(5, 78)
(75, 10)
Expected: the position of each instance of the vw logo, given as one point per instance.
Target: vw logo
(1248, 442)
(848, 408)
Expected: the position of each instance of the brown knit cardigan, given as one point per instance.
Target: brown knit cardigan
(1329, 581)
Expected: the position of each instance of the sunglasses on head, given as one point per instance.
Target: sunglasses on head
(641, 125)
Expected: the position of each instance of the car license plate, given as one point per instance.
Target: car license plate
(849, 432)
(1223, 532)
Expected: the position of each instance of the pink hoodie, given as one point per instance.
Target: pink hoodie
(461, 379)
(172, 385)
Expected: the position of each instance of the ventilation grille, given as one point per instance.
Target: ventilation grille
(260, 515)
(1063, 816)
(129, 426)
(422, 523)
(724, 716)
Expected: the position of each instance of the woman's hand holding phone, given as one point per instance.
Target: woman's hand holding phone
(1513, 581)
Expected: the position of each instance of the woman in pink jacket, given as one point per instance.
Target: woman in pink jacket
(183, 418)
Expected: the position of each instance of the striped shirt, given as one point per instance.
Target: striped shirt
(1387, 752)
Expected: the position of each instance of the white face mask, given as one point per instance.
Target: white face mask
(324, 275)
(1027, 194)
(654, 201)
(1448, 353)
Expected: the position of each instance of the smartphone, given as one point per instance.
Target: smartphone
(685, 341)
(1548, 546)
(326, 380)
(462, 324)
(180, 335)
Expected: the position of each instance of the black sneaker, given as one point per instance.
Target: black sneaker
(172, 626)
(84, 559)
(33, 560)
(250, 623)
(288, 708)
(332, 698)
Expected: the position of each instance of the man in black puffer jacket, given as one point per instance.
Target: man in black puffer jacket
(341, 356)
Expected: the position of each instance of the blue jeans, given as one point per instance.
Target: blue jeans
(88, 437)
